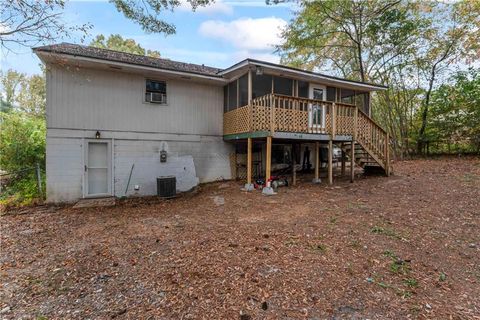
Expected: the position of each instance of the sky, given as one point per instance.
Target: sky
(219, 35)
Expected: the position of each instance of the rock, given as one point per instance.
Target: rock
(219, 201)
(428, 306)
(245, 316)
(472, 245)
(5, 310)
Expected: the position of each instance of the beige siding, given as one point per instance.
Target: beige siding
(108, 100)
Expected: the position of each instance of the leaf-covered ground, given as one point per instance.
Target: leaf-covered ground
(380, 248)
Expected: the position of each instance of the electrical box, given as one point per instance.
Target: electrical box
(163, 156)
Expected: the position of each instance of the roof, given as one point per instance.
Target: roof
(135, 59)
(296, 70)
(177, 66)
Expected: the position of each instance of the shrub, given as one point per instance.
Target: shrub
(22, 145)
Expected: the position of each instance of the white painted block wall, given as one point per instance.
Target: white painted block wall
(191, 162)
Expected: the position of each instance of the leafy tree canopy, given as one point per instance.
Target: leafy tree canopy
(118, 43)
(24, 93)
(148, 13)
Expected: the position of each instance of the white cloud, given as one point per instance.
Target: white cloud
(246, 33)
(263, 56)
(217, 7)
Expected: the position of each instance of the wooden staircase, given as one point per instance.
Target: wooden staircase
(372, 150)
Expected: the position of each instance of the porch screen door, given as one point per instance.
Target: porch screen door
(317, 110)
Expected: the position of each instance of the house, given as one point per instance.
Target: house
(117, 121)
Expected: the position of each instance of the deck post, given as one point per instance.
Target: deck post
(317, 163)
(268, 190)
(294, 172)
(330, 161)
(272, 114)
(249, 185)
(269, 159)
(387, 155)
(343, 160)
(352, 161)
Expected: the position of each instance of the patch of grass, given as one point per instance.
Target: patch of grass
(385, 231)
(399, 267)
(405, 293)
(411, 282)
(390, 254)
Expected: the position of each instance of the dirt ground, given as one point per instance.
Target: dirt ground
(402, 247)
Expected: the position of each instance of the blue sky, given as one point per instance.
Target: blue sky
(219, 35)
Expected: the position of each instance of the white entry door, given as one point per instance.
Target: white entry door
(98, 169)
(317, 111)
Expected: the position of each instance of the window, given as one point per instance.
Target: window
(243, 90)
(262, 85)
(283, 86)
(331, 94)
(303, 89)
(232, 95)
(156, 91)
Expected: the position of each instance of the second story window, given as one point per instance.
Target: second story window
(156, 91)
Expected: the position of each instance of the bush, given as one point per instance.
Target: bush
(22, 141)
(22, 145)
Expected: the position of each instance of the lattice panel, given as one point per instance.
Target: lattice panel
(237, 121)
(261, 118)
(345, 122)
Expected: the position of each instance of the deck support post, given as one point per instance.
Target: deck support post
(330, 161)
(352, 161)
(343, 160)
(249, 185)
(268, 190)
(268, 164)
(317, 163)
(294, 172)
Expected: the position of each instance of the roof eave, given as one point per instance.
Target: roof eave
(42, 53)
(249, 62)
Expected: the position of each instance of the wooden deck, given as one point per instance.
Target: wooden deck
(274, 115)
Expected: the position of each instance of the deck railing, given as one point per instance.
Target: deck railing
(279, 113)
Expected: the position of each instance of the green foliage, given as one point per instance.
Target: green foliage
(22, 189)
(455, 112)
(23, 92)
(118, 43)
(22, 141)
(407, 45)
(147, 13)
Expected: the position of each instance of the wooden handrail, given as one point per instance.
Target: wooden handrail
(276, 112)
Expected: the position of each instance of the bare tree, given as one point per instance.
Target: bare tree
(29, 23)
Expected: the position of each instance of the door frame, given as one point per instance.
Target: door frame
(109, 192)
(311, 87)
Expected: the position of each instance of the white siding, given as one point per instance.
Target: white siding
(65, 169)
(189, 128)
(108, 100)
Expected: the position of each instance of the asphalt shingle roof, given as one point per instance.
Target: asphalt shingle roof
(117, 56)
